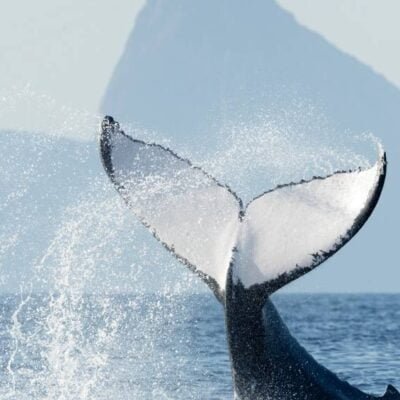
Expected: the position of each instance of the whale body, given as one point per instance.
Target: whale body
(269, 363)
(244, 253)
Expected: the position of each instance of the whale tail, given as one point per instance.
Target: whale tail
(245, 253)
(276, 238)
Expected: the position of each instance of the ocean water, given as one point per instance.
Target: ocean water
(173, 346)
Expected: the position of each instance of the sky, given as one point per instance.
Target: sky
(59, 55)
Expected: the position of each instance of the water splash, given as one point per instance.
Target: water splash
(80, 332)
(258, 154)
(60, 338)
(16, 335)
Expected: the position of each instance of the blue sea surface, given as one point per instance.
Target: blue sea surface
(174, 347)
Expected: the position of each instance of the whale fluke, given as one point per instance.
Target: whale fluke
(276, 238)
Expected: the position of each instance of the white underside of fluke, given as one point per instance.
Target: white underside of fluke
(203, 222)
(297, 225)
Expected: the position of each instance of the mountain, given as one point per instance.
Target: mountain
(223, 81)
